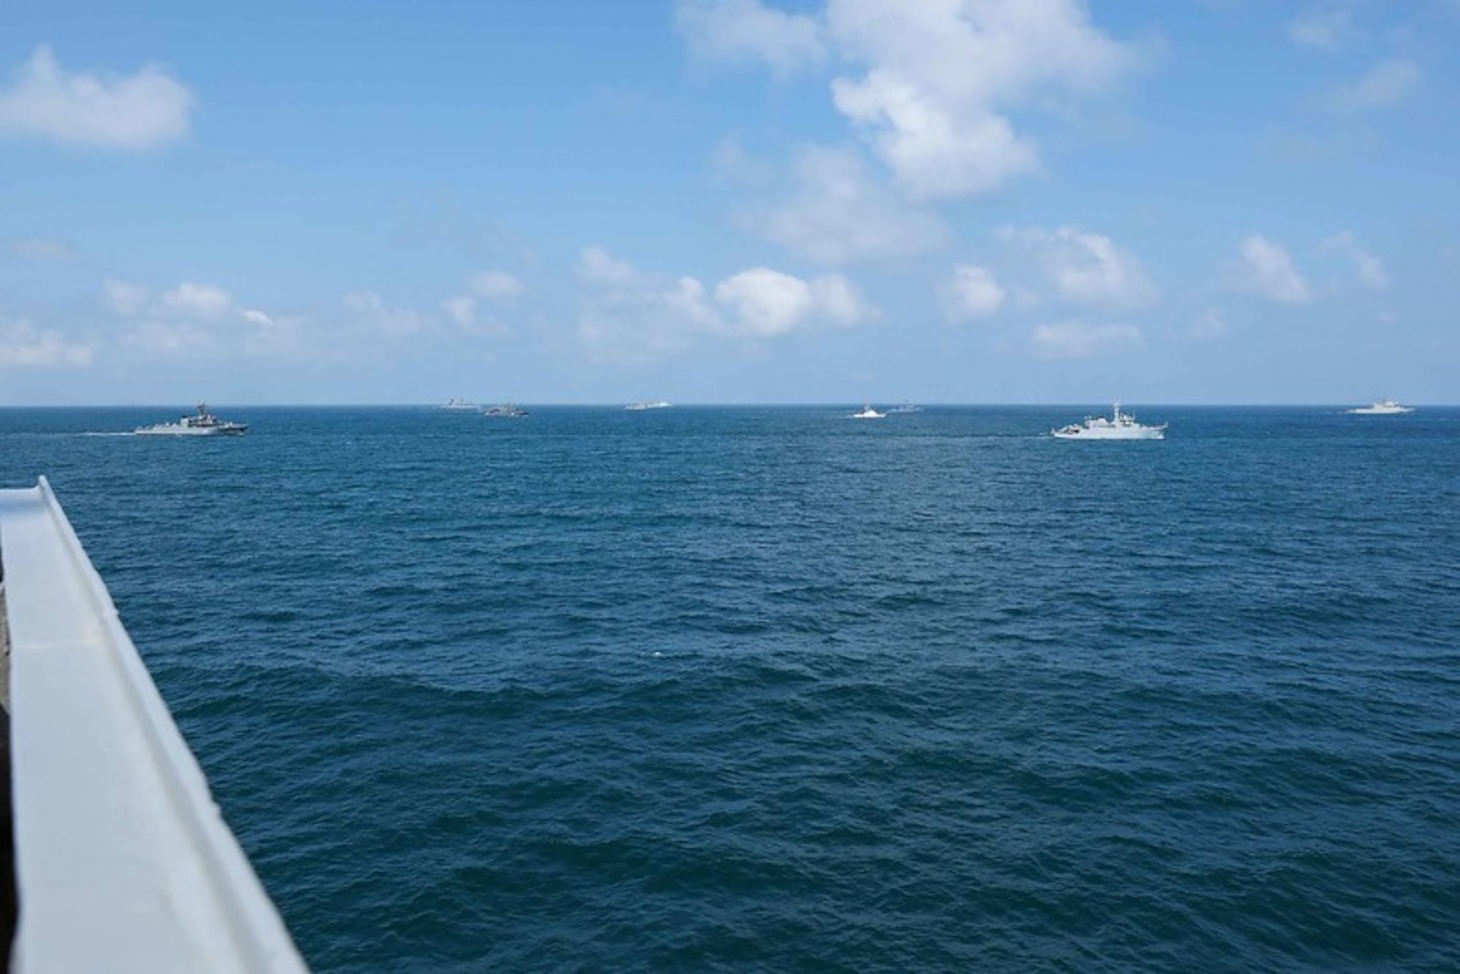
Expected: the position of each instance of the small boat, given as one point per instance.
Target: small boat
(202, 424)
(1381, 407)
(1122, 426)
(504, 410)
(867, 413)
(640, 406)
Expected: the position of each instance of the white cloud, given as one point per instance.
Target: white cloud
(1368, 269)
(23, 345)
(766, 303)
(126, 299)
(745, 30)
(1085, 268)
(175, 339)
(498, 286)
(200, 321)
(1324, 25)
(370, 313)
(137, 111)
(462, 310)
(973, 292)
(941, 78)
(931, 153)
(632, 317)
(629, 318)
(493, 286)
(597, 266)
(1079, 339)
(839, 215)
(1383, 86)
(199, 300)
(1267, 271)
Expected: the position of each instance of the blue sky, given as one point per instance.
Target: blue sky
(726, 201)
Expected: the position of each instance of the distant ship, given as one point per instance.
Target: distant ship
(638, 406)
(906, 407)
(1122, 427)
(867, 413)
(203, 424)
(1381, 407)
(460, 404)
(505, 411)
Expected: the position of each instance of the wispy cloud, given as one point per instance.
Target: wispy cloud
(23, 345)
(494, 287)
(633, 317)
(1208, 326)
(1265, 270)
(1325, 26)
(1078, 339)
(368, 312)
(200, 321)
(1382, 86)
(838, 214)
(1083, 267)
(972, 292)
(746, 30)
(1368, 269)
(37, 247)
(498, 286)
(138, 111)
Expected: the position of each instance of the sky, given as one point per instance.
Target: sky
(729, 201)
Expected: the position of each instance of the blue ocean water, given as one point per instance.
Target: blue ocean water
(765, 689)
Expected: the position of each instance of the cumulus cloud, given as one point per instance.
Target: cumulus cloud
(1382, 86)
(763, 303)
(745, 30)
(1265, 270)
(200, 321)
(1324, 26)
(137, 111)
(839, 215)
(1368, 269)
(23, 345)
(1083, 267)
(633, 317)
(973, 292)
(941, 78)
(1079, 339)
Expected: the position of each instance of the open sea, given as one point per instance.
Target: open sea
(765, 689)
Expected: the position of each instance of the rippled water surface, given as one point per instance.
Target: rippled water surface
(768, 689)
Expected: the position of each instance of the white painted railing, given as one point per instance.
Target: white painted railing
(123, 861)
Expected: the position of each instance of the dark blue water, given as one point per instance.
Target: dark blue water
(764, 689)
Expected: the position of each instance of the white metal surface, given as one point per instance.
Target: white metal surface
(123, 862)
